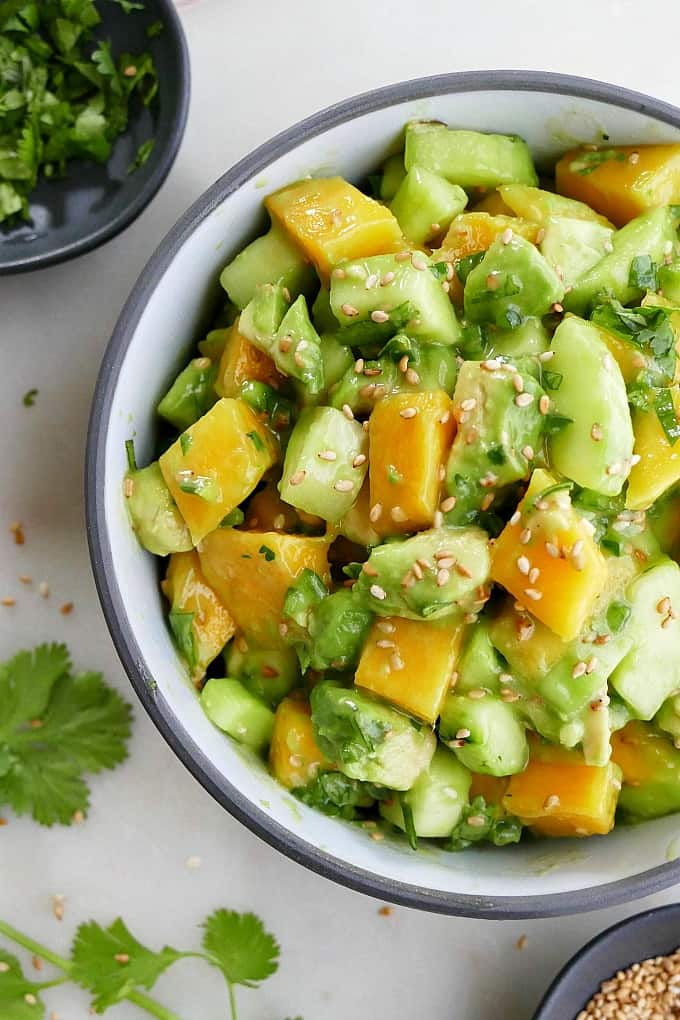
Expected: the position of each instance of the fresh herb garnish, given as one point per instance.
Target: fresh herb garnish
(203, 486)
(63, 93)
(113, 966)
(130, 454)
(618, 615)
(234, 517)
(256, 440)
(54, 727)
(409, 823)
(648, 329)
(154, 29)
(185, 441)
(394, 476)
(643, 273)
(665, 412)
(589, 161)
(550, 491)
(554, 423)
(552, 380)
(268, 553)
(498, 828)
(141, 156)
(440, 270)
(182, 627)
(29, 398)
(465, 265)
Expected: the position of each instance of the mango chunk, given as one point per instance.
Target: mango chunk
(559, 795)
(659, 464)
(330, 220)
(216, 463)
(242, 361)
(491, 788)
(563, 592)
(409, 436)
(493, 204)
(251, 571)
(476, 231)
(620, 182)
(187, 591)
(294, 757)
(391, 664)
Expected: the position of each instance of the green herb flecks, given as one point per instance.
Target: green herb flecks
(182, 627)
(203, 486)
(28, 399)
(63, 94)
(236, 516)
(268, 553)
(394, 476)
(643, 273)
(185, 442)
(142, 155)
(256, 440)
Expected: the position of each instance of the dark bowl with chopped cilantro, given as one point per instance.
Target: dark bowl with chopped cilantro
(94, 96)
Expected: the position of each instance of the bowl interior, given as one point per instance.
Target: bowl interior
(163, 317)
(641, 937)
(95, 201)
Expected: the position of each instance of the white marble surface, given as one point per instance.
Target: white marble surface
(257, 68)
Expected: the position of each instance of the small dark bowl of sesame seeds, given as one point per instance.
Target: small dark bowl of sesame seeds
(628, 972)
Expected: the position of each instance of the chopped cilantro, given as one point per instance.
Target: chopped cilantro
(185, 442)
(256, 440)
(393, 475)
(552, 380)
(268, 553)
(586, 162)
(143, 153)
(232, 519)
(154, 29)
(643, 273)
(182, 627)
(29, 398)
(130, 454)
(554, 423)
(465, 265)
(202, 486)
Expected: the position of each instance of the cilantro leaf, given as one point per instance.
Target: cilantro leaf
(643, 273)
(240, 946)
(14, 988)
(110, 962)
(142, 156)
(128, 5)
(649, 329)
(53, 728)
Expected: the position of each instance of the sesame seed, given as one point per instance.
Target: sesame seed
(525, 536)
(596, 432)
(412, 377)
(418, 262)
(587, 526)
(349, 310)
(591, 665)
(443, 577)
(29, 998)
(477, 693)
(528, 452)
(462, 734)
(438, 519)
(408, 580)
(8, 601)
(369, 569)
(668, 247)
(445, 562)
(444, 418)
(635, 459)
(359, 460)
(516, 517)
(490, 365)
(122, 958)
(518, 382)
(509, 695)
(469, 404)
(379, 315)
(343, 485)
(425, 564)
(447, 504)
(386, 626)
(546, 356)
(533, 594)
(338, 273)
(397, 514)
(476, 821)
(377, 592)
(375, 512)
(128, 487)
(58, 906)
(408, 412)
(377, 836)
(663, 605)
(327, 455)
(387, 279)
(608, 247)
(634, 158)
(534, 575)
(368, 390)
(348, 412)
(396, 662)
(557, 307)
(506, 236)
(524, 399)
(578, 670)
(603, 639)
(298, 478)
(285, 344)
(614, 469)
(551, 802)
(492, 281)
(385, 643)
(544, 404)
(402, 256)
(283, 629)
(295, 761)
(446, 286)
(359, 366)
(371, 280)
(4, 967)
(552, 550)
(488, 480)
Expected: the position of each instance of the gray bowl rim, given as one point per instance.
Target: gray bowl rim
(173, 35)
(131, 655)
(553, 998)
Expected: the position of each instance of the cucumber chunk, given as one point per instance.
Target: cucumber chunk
(371, 288)
(513, 281)
(650, 672)
(651, 234)
(669, 282)
(469, 158)
(154, 516)
(272, 258)
(480, 665)
(268, 674)
(393, 174)
(526, 340)
(425, 204)
(595, 449)
(191, 394)
(436, 800)
(367, 739)
(385, 582)
(572, 246)
(326, 463)
(286, 334)
(237, 712)
(486, 734)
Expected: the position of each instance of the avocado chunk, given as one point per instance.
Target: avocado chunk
(596, 446)
(526, 340)
(513, 281)
(370, 292)
(435, 803)
(367, 739)
(469, 158)
(286, 334)
(480, 665)
(669, 281)
(390, 584)
(327, 631)
(191, 394)
(485, 733)
(425, 204)
(272, 258)
(651, 234)
(337, 359)
(496, 439)
(650, 672)
(236, 711)
(153, 513)
(268, 674)
(326, 463)
(572, 246)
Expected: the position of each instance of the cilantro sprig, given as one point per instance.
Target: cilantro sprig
(55, 726)
(113, 966)
(63, 93)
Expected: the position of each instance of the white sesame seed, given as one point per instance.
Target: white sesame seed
(412, 377)
(387, 279)
(371, 280)
(557, 307)
(396, 661)
(516, 517)
(379, 315)
(608, 247)
(327, 455)
(528, 452)
(523, 565)
(462, 734)
(469, 404)
(438, 519)
(418, 571)
(402, 256)
(385, 643)
(546, 355)
(524, 399)
(386, 626)
(359, 460)
(506, 236)
(418, 262)
(490, 365)
(349, 310)
(544, 404)
(477, 693)
(444, 418)
(552, 550)
(338, 274)
(634, 158)
(397, 514)
(30, 999)
(4, 967)
(533, 594)
(591, 665)
(578, 670)
(443, 577)
(509, 695)
(343, 485)
(551, 802)
(348, 412)
(359, 366)
(377, 592)
(596, 432)
(518, 383)
(614, 469)
(447, 504)
(463, 570)
(446, 562)
(408, 412)
(635, 459)
(534, 575)
(375, 512)
(298, 478)
(525, 536)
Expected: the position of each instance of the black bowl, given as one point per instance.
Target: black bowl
(94, 202)
(652, 933)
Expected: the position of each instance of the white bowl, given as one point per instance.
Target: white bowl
(170, 306)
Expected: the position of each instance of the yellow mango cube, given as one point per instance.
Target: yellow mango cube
(242, 361)
(409, 437)
(392, 663)
(559, 795)
(216, 463)
(187, 591)
(251, 571)
(659, 464)
(471, 232)
(621, 182)
(550, 537)
(331, 221)
(294, 757)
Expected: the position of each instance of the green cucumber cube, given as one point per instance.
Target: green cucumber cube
(512, 282)
(469, 158)
(425, 204)
(272, 258)
(436, 800)
(236, 711)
